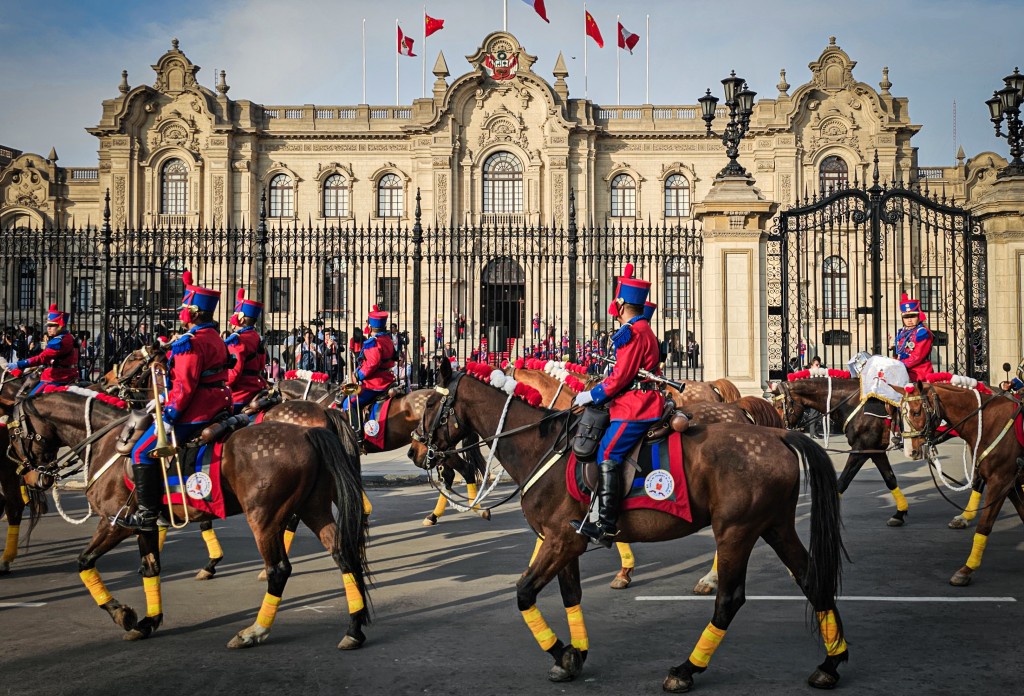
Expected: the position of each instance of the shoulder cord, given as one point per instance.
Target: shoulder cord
(85, 465)
(305, 392)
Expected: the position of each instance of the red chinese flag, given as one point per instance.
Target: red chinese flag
(433, 25)
(538, 7)
(405, 44)
(593, 32)
(627, 39)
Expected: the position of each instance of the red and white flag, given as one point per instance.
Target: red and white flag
(538, 7)
(592, 30)
(627, 39)
(405, 44)
(432, 25)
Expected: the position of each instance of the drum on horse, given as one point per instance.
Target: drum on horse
(866, 425)
(270, 471)
(720, 460)
(984, 421)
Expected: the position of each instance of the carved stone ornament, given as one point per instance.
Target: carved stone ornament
(503, 126)
(27, 189)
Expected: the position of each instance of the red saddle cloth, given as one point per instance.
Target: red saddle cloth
(659, 485)
(202, 481)
(1018, 428)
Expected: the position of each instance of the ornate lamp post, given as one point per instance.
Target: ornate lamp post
(740, 100)
(1006, 103)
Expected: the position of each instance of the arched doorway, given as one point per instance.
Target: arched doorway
(503, 298)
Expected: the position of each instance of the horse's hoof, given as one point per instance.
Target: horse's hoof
(125, 617)
(350, 643)
(5, 568)
(485, 515)
(262, 577)
(430, 520)
(145, 628)
(205, 574)
(896, 520)
(247, 639)
(622, 580)
(962, 578)
(677, 683)
(707, 585)
(823, 680)
(958, 522)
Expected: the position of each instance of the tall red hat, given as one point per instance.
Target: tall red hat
(631, 290)
(55, 317)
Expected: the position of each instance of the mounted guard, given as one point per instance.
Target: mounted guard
(913, 342)
(374, 373)
(60, 356)
(247, 376)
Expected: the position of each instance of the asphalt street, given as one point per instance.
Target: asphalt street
(445, 619)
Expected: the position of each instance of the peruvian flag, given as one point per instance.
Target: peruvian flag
(538, 7)
(627, 39)
(592, 30)
(432, 25)
(405, 44)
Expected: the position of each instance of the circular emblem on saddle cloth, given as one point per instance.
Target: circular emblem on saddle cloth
(371, 428)
(198, 485)
(659, 485)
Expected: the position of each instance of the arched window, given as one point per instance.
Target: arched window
(835, 299)
(677, 196)
(282, 196)
(336, 196)
(832, 174)
(677, 288)
(174, 188)
(389, 196)
(336, 287)
(623, 196)
(17, 223)
(171, 285)
(503, 184)
(26, 284)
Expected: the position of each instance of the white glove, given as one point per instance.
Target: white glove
(583, 398)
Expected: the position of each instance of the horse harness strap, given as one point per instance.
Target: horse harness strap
(1002, 433)
(538, 473)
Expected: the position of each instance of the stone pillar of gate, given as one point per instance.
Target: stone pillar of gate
(999, 213)
(733, 216)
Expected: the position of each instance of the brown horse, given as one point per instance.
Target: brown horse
(721, 461)
(864, 423)
(984, 422)
(11, 500)
(270, 471)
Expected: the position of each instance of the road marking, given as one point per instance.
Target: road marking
(316, 607)
(19, 605)
(852, 598)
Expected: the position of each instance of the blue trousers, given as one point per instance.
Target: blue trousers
(620, 437)
(140, 453)
(43, 384)
(366, 396)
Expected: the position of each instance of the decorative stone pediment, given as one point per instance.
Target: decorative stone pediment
(501, 58)
(833, 128)
(174, 130)
(503, 126)
(26, 183)
(175, 73)
(327, 169)
(833, 71)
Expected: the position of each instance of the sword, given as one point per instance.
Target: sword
(646, 374)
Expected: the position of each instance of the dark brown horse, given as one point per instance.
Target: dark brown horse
(721, 461)
(985, 423)
(865, 424)
(270, 472)
(11, 500)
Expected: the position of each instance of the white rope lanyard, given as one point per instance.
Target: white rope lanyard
(933, 458)
(305, 392)
(495, 475)
(827, 418)
(88, 458)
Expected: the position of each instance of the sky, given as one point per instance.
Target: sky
(60, 58)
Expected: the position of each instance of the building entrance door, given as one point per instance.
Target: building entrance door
(503, 302)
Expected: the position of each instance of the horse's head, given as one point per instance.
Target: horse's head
(438, 429)
(788, 405)
(33, 442)
(921, 412)
(132, 375)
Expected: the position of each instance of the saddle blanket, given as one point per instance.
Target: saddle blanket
(878, 377)
(376, 423)
(1018, 428)
(659, 485)
(202, 480)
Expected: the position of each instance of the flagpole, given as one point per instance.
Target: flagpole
(504, 23)
(423, 51)
(618, 50)
(647, 38)
(585, 85)
(364, 60)
(398, 56)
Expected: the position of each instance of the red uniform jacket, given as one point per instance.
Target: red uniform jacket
(198, 365)
(637, 347)
(246, 378)
(375, 362)
(61, 359)
(913, 349)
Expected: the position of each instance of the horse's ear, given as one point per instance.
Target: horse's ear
(444, 373)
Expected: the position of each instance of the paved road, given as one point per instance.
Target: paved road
(446, 621)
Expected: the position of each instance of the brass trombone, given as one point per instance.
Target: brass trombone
(166, 447)
(355, 415)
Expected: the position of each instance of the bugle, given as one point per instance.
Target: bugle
(166, 446)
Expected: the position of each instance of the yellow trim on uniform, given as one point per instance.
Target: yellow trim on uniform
(709, 641)
(977, 550)
(94, 583)
(834, 645)
(577, 629)
(213, 548)
(628, 560)
(901, 500)
(154, 602)
(442, 503)
(539, 628)
(972, 506)
(352, 593)
(11, 547)
(289, 537)
(268, 611)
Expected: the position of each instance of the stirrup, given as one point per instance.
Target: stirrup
(593, 532)
(137, 520)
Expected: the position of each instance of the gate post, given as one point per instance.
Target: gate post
(573, 240)
(875, 247)
(417, 281)
(261, 255)
(104, 296)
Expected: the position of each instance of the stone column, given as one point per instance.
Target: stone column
(733, 215)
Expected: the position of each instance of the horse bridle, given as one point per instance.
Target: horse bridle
(931, 408)
(444, 414)
(123, 390)
(20, 430)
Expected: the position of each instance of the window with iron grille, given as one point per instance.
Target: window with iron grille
(282, 196)
(171, 286)
(677, 196)
(174, 188)
(833, 174)
(82, 294)
(336, 196)
(503, 184)
(677, 287)
(835, 298)
(280, 294)
(26, 284)
(931, 293)
(388, 290)
(390, 196)
(623, 196)
(335, 285)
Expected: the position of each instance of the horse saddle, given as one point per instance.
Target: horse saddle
(626, 473)
(263, 401)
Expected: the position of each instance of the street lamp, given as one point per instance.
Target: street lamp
(740, 100)
(1006, 103)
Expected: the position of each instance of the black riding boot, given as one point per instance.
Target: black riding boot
(609, 493)
(148, 487)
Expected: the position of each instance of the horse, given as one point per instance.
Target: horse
(865, 424)
(270, 471)
(721, 462)
(984, 422)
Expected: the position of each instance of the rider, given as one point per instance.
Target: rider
(247, 377)
(373, 365)
(634, 403)
(913, 342)
(198, 370)
(60, 355)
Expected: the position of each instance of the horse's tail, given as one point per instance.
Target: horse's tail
(337, 422)
(825, 566)
(761, 412)
(350, 541)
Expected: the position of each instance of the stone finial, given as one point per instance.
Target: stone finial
(960, 156)
(174, 44)
(53, 155)
(831, 41)
(885, 84)
(560, 71)
(783, 86)
(222, 84)
(123, 87)
(441, 66)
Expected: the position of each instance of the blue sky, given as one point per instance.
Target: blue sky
(59, 59)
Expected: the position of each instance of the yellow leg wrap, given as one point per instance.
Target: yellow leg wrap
(577, 629)
(539, 628)
(94, 583)
(154, 603)
(834, 645)
(162, 531)
(536, 550)
(714, 563)
(974, 560)
(24, 495)
(901, 500)
(213, 548)
(626, 554)
(268, 611)
(709, 641)
(442, 503)
(972, 506)
(11, 548)
(471, 492)
(352, 593)
(289, 537)
(367, 506)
